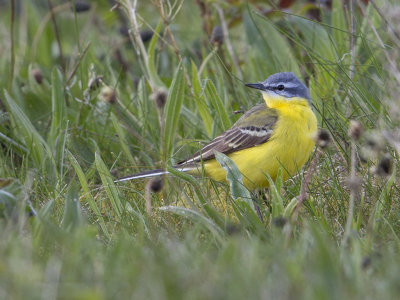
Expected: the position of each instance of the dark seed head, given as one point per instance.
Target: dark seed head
(323, 138)
(160, 98)
(37, 75)
(123, 30)
(279, 222)
(94, 83)
(146, 35)
(114, 172)
(155, 184)
(217, 36)
(366, 262)
(81, 6)
(232, 228)
(384, 167)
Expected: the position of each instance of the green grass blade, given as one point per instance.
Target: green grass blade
(201, 102)
(109, 186)
(235, 179)
(377, 215)
(207, 207)
(287, 212)
(72, 218)
(173, 109)
(87, 194)
(151, 67)
(122, 139)
(58, 109)
(195, 217)
(278, 207)
(341, 37)
(216, 102)
(245, 207)
(33, 141)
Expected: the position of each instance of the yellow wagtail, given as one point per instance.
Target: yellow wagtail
(270, 135)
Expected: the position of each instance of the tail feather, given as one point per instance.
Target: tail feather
(144, 174)
(156, 172)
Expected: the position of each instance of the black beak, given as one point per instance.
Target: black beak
(258, 86)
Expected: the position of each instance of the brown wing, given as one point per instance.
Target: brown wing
(255, 127)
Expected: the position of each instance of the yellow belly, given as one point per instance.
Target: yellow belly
(289, 147)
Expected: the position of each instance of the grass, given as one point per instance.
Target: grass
(82, 102)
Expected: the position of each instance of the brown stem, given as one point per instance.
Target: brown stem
(228, 41)
(53, 19)
(303, 195)
(306, 181)
(78, 63)
(12, 66)
(175, 46)
(350, 210)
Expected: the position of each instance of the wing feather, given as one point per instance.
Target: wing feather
(255, 127)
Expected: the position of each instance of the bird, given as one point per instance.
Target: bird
(277, 133)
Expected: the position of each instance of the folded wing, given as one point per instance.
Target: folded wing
(255, 127)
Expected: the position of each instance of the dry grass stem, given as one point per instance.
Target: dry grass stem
(228, 41)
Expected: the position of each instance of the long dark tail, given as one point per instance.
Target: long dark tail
(152, 173)
(144, 174)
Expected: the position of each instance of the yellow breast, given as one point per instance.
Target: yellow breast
(289, 147)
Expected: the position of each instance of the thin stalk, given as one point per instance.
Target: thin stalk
(350, 211)
(137, 40)
(389, 59)
(228, 41)
(382, 15)
(173, 42)
(12, 58)
(302, 196)
(80, 58)
(205, 61)
(53, 19)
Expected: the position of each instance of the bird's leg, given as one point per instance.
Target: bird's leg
(258, 212)
(264, 196)
(257, 194)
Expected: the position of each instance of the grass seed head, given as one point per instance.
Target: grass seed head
(108, 95)
(155, 184)
(355, 130)
(146, 35)
(81, 6)
(384, 167)
(366, 262)
(37, 75)
(322, 138)
(232, 229)
(160, 98)
(217, 36)
(279, 222)
(94, 83)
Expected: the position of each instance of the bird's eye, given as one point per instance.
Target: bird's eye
(280, 87)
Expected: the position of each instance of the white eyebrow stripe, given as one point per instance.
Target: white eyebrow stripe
(289, 84)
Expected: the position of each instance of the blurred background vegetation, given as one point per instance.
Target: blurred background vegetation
(95, 90)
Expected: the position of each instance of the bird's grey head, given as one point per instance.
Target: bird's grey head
(284, 84)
